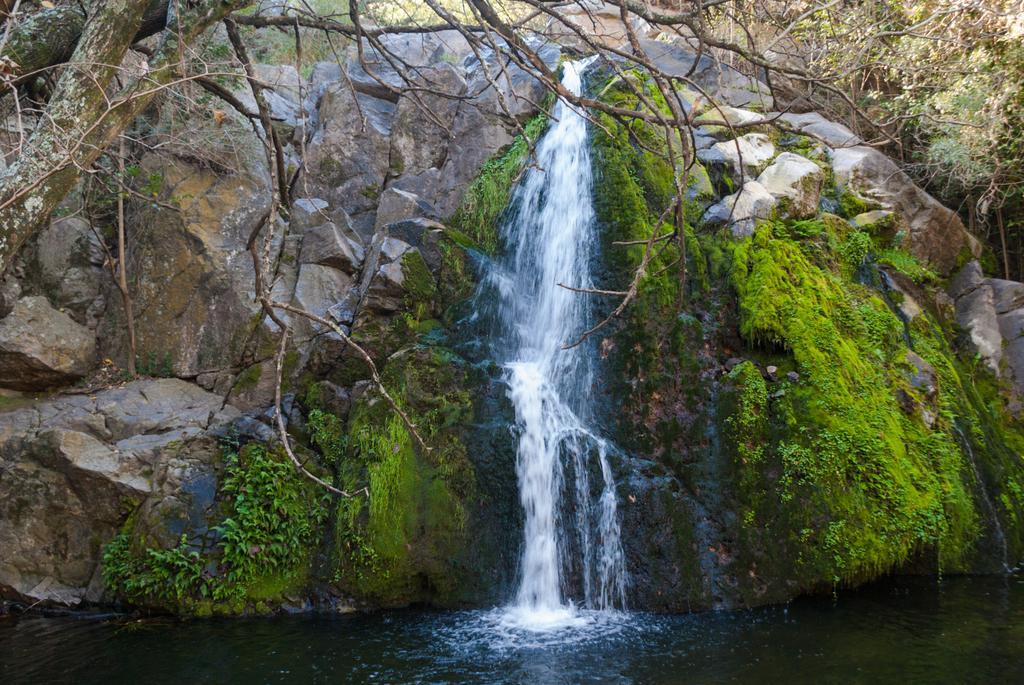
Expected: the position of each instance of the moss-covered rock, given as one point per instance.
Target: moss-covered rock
(403, 542)
(821, 460)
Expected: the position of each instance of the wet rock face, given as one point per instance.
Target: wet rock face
(73, 469)
(41, 347)
(991, 312)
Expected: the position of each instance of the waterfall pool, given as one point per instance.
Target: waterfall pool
(905, 630)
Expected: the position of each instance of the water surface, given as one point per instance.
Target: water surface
(961, 630)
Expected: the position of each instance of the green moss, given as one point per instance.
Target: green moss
(401, 544)
(853, 481)
(805, 146)
(487, 197)
(248, 379)
(851, 204)
(908, 265)
(417, 280)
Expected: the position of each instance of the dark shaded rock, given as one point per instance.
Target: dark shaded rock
(399, 205)
(347, 156)
(423, 121)
(333, 246)
(65, 263)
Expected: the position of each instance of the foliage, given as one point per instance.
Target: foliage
(152, 365)
(158, 575)
(943, 81)
(327, 433)
(273, 516)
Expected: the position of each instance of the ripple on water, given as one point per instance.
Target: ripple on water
(966, 630)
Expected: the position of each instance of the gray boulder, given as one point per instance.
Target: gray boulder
(745, 155)
(348, 153)
(41, 347)
(332, 246)
(65, 263)
(813, 124)
(742, 210)
(976, 314)
(991, 313)
(935, 234)
(423, 121)
(398, 205)
(320, 287)
(796, 182)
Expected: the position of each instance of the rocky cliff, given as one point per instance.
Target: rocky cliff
(828, 392)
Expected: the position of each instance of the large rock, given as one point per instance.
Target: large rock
(73, 469)
(796, 182)
(349, 152)
(65, 263)
(742, 210)
(676, 55)
(423, 121)
(745, 155)
(41, 347)
(332, 246)
(935, 234)
(991, 313)
(191, 274)
(284, 92)
(813, 124)
(375, 74)
(399, 205)
(320, 287)
(502, 98)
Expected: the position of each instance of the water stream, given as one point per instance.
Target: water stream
(572, 556)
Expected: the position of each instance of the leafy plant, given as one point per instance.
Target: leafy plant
(274, 517)
(158, 575)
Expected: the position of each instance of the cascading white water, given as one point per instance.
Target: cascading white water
(550, 237)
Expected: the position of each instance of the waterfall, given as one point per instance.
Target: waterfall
(550, 238)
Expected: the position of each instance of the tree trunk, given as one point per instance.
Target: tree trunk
(49, 37)
(81, 119)
(1002, 242)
